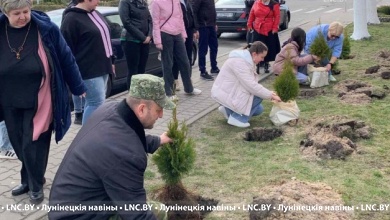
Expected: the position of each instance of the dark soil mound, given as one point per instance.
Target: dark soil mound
(263, 134)
(384, 54)
(334, 139)
(356, 92)
(372, 69)
(300, 197)
(183, 204)
(310, 93)
(385, 75)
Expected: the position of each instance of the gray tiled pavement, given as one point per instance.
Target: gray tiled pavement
(190, 109)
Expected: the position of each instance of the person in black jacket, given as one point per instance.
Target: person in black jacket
(206, 18)
(192, 34)
(136, 35)
(88, 36)
(105, 164)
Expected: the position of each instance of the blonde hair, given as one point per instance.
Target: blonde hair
(336, 28)
(9, 5)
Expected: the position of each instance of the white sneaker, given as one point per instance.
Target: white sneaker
(332, 79)
(222, 109)
(173, 98)
(9, 154)
(237, 123)
(177, 85)
(195, 92)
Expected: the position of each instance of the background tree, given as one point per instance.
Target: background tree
(372, 14)
(360, 30)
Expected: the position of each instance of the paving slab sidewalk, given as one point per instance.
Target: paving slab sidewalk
(190, 109)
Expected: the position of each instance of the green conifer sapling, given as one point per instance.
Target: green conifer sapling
(286, 84)
(319, 47)
(175, 159)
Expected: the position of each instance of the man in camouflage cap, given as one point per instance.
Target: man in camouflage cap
(105, 163)
(149, 87)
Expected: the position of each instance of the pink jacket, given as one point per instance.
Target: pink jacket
(237, 83)
(160, 11)
(290, 49)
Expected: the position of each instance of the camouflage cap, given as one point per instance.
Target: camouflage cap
(149, 87)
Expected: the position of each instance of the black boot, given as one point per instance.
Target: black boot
(266, 67)
(78, 118)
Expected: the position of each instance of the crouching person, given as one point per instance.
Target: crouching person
(292, 49)
(237, 89)
(105, 164)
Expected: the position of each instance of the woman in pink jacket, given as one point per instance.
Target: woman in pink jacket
(169, 35)
(292, 49)
(237, 89)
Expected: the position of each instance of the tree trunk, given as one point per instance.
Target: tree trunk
(360, 30)
(372, 14)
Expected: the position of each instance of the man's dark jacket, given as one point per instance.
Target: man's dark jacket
(136, 19)
(205, 13)
(188, 15)
(105, 165)
(64, 71)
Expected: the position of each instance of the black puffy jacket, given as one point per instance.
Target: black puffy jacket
(136, 20)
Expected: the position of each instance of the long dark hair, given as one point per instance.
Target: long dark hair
(298, 35)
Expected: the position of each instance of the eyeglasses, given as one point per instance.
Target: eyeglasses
(334, 36)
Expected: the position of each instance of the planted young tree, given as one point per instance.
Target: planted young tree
(319, 47)
(286, 84)
(346, 51)
(175, 160)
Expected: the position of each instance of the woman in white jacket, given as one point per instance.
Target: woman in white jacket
(237, 89)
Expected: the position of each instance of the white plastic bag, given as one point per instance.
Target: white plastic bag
(283, 112)
(319, 76)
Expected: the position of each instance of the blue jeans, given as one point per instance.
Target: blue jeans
(257, 109)
(5, 144)
(207, 38)
(96, 94)
(301, 77)
(78, 103)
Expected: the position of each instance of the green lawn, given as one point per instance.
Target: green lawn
(232, 170)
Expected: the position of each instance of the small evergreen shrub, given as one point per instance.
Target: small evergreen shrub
(346, 51)
(319, 47)
(385, 9)
(286, 84)
(175, 159)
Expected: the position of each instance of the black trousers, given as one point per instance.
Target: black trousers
(33, 154)
(136, 57)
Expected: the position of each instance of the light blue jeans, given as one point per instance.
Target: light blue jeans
(96, 94)
(257, 109)
(5, 144)
(301, 77)
(78, 103)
